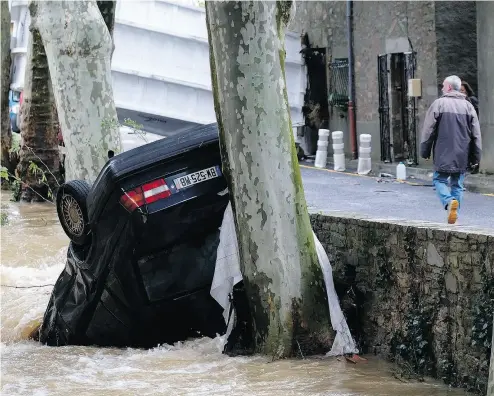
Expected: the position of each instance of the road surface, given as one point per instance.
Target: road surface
(330, 191)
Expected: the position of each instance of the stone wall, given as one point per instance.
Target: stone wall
(416, 293)
(456, 34)
(485, 36)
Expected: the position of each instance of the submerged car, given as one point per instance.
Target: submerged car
(142, 254)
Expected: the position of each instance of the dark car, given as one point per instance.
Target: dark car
(143, 247)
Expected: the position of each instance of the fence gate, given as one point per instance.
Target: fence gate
(410, 109)
(382, 78)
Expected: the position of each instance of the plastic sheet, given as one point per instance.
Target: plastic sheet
(227, 274)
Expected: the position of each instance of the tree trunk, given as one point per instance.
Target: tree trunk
(6, 134)
(78, 47)
(283, 279)
(107, 9)
(39, 126)
(490, 385)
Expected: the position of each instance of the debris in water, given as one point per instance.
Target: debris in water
(355, 358)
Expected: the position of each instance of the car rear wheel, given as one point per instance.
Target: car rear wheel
(72, 210)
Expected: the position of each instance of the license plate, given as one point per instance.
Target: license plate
(197, 177)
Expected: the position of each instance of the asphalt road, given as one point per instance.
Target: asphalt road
(385, 198)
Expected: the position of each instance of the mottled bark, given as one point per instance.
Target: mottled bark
(78, 48)
(279, 263)
(490, 386)
(107, 9)
(6, 134)
(39, 125)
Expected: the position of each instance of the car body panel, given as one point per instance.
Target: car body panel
(144, 269)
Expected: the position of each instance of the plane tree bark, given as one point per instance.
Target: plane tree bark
(39, 127)
(78, 47)
(282, 276)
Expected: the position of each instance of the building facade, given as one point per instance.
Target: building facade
(392, 43)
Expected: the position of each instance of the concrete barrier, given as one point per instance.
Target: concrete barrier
(322, 149)
(364, 158)
(338, 151)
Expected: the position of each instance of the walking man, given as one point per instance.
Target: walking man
(451, 132)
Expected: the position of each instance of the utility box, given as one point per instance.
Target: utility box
(414, 87)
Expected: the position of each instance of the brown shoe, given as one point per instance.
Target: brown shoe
(453, 211)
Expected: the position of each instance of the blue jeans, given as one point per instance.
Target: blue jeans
(446, 195)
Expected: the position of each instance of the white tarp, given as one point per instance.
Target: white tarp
(227, 274)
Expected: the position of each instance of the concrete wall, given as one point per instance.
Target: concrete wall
(485, 36)
(398, 24)
(161, 62)
(325, 24)
(390, 27)
(456, 34)
(416, 292)
(19, 15)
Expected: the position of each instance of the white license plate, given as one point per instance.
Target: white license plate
(197, 177)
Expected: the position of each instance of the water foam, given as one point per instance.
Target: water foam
(22, 302)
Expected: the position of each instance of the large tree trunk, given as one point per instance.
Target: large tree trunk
(283, 279)
(490, 385)
(6, 134)
(107, 9)
(78, 47)
(39, 126)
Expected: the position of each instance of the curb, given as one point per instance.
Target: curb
(483, 185)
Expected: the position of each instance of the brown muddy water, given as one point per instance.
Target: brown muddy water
(33, 248)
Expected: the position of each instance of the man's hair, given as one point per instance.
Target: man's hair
(454, 81)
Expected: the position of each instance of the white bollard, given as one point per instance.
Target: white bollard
(364, 158)
(338, 151)
(322, 149)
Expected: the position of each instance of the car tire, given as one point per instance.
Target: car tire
(72, 210)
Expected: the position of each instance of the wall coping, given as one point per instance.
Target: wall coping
(455, 229)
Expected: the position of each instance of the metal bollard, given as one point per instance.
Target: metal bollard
(364, 158)
(322, 149)
(338, 151)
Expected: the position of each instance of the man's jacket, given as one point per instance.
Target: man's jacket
(452, 132)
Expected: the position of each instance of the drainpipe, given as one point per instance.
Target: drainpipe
(351, 83)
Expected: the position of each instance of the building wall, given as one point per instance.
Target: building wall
(443, 34)
(399, 23)
(325, 24)
(415, 292)
(456, 34)
(401, 26)
(485, 26)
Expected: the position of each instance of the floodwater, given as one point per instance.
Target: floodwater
(33, 248)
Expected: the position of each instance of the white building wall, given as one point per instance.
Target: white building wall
(161, 60)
